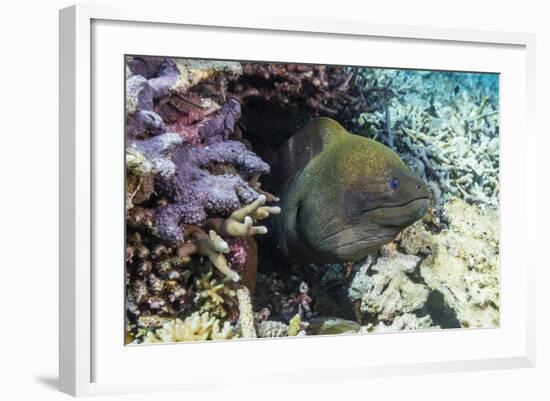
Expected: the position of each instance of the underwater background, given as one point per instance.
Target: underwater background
(201, 260)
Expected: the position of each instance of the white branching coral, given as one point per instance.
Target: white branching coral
(196, 327)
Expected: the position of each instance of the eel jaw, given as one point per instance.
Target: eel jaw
(401, 215)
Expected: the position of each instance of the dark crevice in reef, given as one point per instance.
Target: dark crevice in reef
(267, 126)
(416, 275)
(279, 282)
(435, 306)
(439, 311)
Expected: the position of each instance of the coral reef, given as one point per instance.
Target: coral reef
(200, 136)
(193, 199)
(278, 99)
(442, 271)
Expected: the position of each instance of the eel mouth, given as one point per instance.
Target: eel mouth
(394, 206)
(400, 215)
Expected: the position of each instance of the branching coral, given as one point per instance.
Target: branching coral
(239, 224)
(215, 297)
(197, 327)
(210, 245)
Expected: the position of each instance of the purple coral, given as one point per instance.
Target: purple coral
(161, 73)
(222, 124)
(144, 122)
(152, 80)
(197, 170)
(194, 192)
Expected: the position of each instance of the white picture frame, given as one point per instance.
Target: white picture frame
(80, 373)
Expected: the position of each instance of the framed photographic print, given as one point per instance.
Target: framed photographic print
(253, 192)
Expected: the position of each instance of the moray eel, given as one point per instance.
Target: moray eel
(342, 195)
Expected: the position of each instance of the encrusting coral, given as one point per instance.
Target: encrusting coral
(272, 328)
(457, 267)
(464, 264)
(325, 90)
(246, 316)
(389, 292)
(407, 321)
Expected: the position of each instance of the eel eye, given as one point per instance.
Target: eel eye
(394, 183)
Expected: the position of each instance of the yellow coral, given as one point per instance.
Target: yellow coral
(294, 326)
(215, 297)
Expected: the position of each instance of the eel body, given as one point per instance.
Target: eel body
(342, 195)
